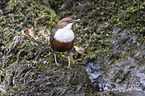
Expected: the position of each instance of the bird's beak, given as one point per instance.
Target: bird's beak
(76, 21)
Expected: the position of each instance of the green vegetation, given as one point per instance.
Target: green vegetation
(109, 31)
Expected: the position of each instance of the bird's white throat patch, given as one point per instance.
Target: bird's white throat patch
(65, 34)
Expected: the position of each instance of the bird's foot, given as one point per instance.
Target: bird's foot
(58, 64)
(68, 67)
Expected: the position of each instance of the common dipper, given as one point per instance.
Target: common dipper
(62, 37)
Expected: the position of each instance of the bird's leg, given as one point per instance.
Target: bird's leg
(56, 60)
(69, 55)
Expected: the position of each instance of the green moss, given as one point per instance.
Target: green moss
(100, 32)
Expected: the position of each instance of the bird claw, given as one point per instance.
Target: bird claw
(58, 64)
(68, 67)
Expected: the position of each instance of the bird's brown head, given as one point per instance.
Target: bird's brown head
(63, 22)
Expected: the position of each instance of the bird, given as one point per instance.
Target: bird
(62, 38)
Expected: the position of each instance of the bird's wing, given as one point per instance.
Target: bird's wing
(52, 35)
